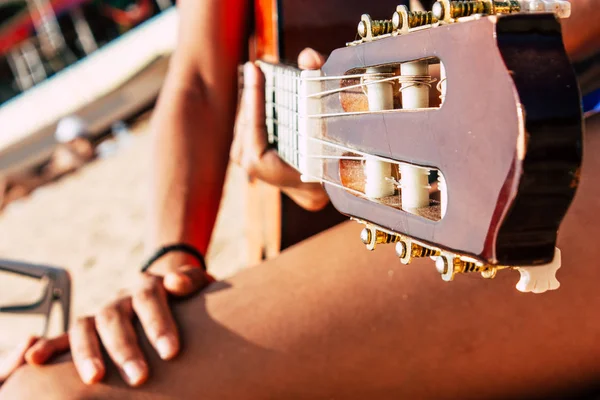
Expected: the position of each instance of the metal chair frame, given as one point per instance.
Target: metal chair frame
(57, 289)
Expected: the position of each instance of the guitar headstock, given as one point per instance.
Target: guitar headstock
(454, 133)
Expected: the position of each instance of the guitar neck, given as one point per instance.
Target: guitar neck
(282, 110)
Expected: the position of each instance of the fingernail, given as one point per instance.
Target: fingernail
(37, 355)
(315, 56)
(166, 347)
(135, 371)
(90, 369)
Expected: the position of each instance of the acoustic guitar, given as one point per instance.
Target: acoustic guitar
(281, 29)
(477, 177)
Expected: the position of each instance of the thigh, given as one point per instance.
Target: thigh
(328, 319)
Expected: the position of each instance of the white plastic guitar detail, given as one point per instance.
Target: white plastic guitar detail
(540, 279)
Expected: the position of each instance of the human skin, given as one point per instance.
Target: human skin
(329, 319)
(581, 32)
(581, 5)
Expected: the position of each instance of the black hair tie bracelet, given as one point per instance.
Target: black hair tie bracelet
(180, 247)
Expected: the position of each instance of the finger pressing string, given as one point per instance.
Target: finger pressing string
(253, 94)
(310, 59)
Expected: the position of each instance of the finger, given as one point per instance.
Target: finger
(250, 138)
(12, 360)
(150, 305)
(43, 349)
(273, 170)
(253, 95)
(116, 332)
(310, 59)
(310, 196)
(85, 350)
(186, 280)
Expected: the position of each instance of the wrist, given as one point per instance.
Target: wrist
(170, 258)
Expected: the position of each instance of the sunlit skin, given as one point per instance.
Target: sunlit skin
(193, 126)
(352, 324)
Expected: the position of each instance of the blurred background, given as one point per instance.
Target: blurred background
(78, 81)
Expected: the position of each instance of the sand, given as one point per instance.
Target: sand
(92, 223)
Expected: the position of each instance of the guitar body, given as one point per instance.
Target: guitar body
(282, 30)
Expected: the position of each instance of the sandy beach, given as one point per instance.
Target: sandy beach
(92, 223)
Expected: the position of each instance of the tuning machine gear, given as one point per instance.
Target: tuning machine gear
(407, 249)
(534, 279)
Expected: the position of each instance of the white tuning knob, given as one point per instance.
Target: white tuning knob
(540, 278)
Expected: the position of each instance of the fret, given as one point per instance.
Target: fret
(284, 115)
(294, 116)
(309, 151)
(290, 114)
(269, 101)
(291, 135)
(287, 107)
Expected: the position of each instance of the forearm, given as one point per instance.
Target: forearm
(193, 123)
(581, 31)
(189, 160)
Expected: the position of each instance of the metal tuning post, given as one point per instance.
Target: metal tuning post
(449, 11)
(534, 279)
(371, 236)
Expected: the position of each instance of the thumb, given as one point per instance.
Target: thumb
(310, 59)
(253, 96)
(186, 280)
(250, 139)
(273, 170)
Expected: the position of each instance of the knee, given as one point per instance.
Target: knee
(39, 383)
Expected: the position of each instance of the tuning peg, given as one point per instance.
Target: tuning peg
(447, 10)
(371, 237)
(539, 279)
(403, 19)
(406, 250)
(369, 28)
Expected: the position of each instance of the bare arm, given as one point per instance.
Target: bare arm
(193, 122)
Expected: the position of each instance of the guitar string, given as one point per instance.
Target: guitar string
(294, 132)
(327, 180)
(275, 106)
(289, 150)
(409, 80)
(292, 97)
(350, 113)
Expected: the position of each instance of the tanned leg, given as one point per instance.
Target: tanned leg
(328, 319)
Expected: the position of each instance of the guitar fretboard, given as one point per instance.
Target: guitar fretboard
(282, 93)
